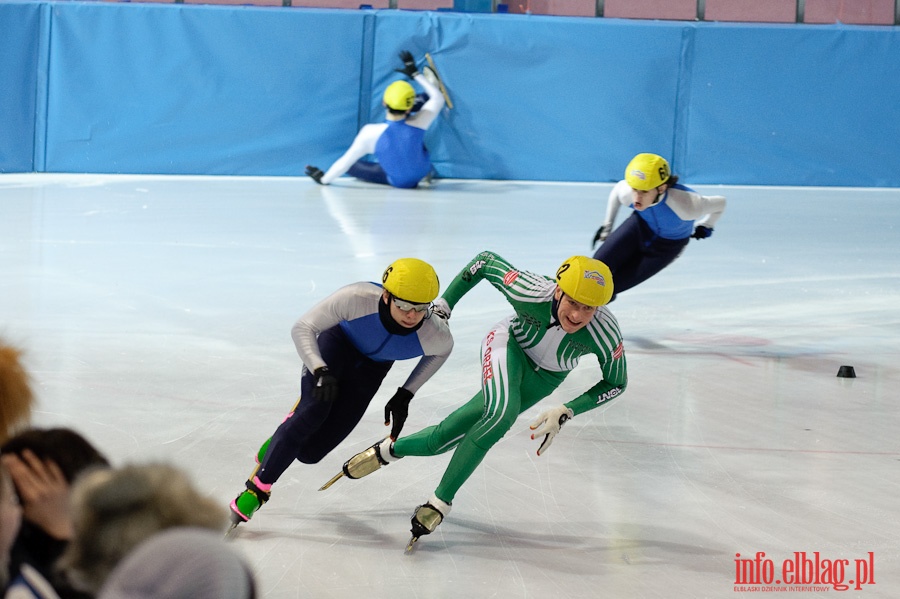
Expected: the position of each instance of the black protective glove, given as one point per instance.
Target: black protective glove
(316, 173)
(326, 387)
(702, 232)
(398, 407)
(409, 64)
(601, 235)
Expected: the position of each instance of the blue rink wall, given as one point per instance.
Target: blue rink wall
(194, 89)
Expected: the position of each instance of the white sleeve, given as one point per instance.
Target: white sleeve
(431, 109)
(690, 205)
(619, 195)
(423, 371)
(437, 343)
(713, 207)
(344, 304)
(363, 144)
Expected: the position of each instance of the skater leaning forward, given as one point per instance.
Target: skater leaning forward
(525, 357)
(348, 343)
(667, 215)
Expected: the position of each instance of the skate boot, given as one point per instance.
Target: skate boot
(428, 179)
(249, 501)
(426, 519)
(431, 76)
(431, 73)
(366, 462)
(261, 454)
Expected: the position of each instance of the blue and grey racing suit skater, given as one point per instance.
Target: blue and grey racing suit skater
(348, 343)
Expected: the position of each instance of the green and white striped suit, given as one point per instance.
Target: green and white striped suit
(525, 357)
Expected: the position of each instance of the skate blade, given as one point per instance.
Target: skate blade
(412, 542)
(333, 480)
(440, 81)
(232, 531)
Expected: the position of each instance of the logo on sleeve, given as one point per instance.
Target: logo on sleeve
(468, 274)
(612, 393)
(617, 353)
(510, 277)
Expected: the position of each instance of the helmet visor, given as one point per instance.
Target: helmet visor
(406, 306)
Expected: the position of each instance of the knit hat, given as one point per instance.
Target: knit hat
(181, 563)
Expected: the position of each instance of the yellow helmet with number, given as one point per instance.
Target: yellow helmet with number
(647, 171)
(412, 280)
(585, 280)
(399, 95)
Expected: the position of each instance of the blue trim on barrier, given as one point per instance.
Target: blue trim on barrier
(20, 46)
(367, 65)
(679, 151)
(42, 89)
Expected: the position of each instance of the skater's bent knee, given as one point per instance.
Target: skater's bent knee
(306, 457)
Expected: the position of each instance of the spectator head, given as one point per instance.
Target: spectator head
(181, 562)
(114, 510)
(71, 451)
(16, 398)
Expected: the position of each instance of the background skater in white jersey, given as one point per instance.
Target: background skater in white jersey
(662, 224)
(524, 358)
(399, 142)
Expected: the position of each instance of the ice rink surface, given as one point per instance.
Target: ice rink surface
(155, 313)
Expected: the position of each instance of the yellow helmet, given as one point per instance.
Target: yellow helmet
(585, 280)
(412, 280)
(647, 171)
(399, 95)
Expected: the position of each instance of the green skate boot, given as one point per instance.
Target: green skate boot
(261, 454)
(249, 501)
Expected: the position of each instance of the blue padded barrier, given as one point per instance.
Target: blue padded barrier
(551, 106)
(192, 89)
(200, 89)
(21, 39)
(794, 105)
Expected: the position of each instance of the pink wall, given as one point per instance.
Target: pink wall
(761, 11)
(424, 4)
(230, 2)
(334, 3)
(869, 12)
(862, 12)
(678, 10)
(572, 8)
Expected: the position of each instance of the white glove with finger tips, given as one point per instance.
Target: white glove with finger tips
(548, 424)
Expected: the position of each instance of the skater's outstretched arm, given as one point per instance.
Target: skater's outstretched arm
(517, 286)
(690, 205)
(609, 350)
(363, 144)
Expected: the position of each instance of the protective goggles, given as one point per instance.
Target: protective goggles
(406, 306)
